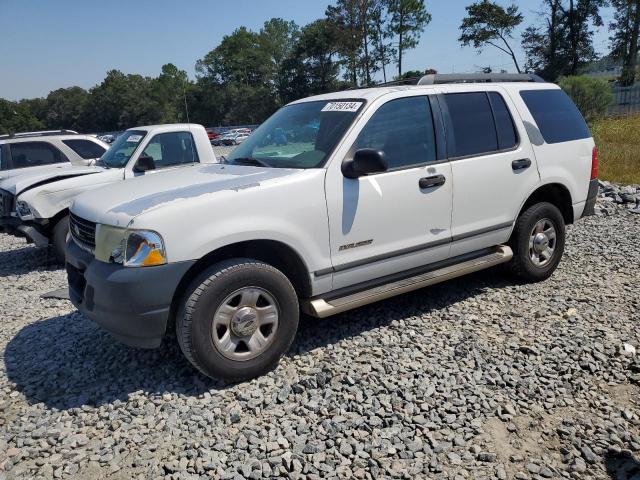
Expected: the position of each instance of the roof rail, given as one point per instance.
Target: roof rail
(43, 133)
(478, 78)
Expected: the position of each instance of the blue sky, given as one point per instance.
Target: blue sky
(47, 44)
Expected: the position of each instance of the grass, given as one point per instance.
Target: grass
(618, 141)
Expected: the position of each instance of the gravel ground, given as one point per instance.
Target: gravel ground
(475, 378)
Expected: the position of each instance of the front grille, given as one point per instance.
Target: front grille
(83, 231)
(7, 203)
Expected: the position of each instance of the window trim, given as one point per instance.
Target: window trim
(175, 164)
(438, 135)
(449, 127)
(63, 157)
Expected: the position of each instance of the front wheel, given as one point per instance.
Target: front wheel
(237, 319)
(537, 242)
(59, 239)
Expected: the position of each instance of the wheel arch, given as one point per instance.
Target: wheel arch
(273, 252)
(554, 193)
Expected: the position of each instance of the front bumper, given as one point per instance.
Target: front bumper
(589, 207)
(132, 304)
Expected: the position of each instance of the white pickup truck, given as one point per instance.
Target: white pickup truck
(334, 202)
(37, 203)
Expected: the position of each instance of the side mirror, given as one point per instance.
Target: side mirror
(144, 164)
(365, 162)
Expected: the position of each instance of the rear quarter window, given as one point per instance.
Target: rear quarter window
(557, 117)
(85, 148)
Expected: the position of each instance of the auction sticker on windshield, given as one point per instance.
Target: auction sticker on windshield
(134, 138)
(342, 107)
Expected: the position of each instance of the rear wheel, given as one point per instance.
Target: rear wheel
(237, 319)
(537, 242)
(59, 239)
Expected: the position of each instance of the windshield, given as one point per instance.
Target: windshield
(297, 136)
(121, 150)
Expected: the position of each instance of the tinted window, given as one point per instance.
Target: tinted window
(32, 154)
(507, 136)
(85, 148)
(558, 119)
(472, 130)
(169, 149)
(403, 129)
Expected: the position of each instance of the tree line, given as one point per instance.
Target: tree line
(357, 43)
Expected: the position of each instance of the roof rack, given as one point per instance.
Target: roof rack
(43, 133)
(439, 79)
(479, 78)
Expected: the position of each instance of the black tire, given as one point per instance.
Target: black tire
(59, 239)
(195, 316)
(522, 265)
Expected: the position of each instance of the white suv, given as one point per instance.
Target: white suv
(336, 201)
(31, 151)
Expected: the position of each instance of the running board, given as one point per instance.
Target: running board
(322, 308)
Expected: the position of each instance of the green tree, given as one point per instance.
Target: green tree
(408, 19)
(565, 43)
(591, 95)
(16, 117)
(625, 38)
(383, 51)
(65, 107)
(241, 69)
(279, 37)
(169, 91)
(121, 101)
(487, 23)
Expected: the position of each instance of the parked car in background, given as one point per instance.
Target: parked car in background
(402, 187)
(234, 138)
(26, 152)
(42, 201)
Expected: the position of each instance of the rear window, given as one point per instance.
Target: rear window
(85, 148)
(558, 119)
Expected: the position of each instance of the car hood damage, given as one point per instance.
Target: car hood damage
(119, 203)
(21, 183)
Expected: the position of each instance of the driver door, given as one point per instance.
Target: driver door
(397, 220)
(165, 150)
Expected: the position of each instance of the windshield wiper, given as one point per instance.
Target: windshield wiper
(249, 161)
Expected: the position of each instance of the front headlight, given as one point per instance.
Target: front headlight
(24, 210)
(144, 248)
(131, 248)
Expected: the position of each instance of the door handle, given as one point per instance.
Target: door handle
(521, 164)
(433, 181)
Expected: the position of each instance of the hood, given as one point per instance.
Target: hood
(19, 183)
(119, 203)
(4, 174)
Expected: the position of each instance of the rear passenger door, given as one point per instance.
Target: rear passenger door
(34, 154)
(493, 166)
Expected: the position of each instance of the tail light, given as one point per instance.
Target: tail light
(594, 163)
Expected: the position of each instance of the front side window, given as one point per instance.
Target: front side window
(169, 149)
(86, 149)
(558, 119)
(33, 154)
(403, 130)
(121, 149)
(472, 130)
(297, 136)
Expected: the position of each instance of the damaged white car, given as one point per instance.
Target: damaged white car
(36, 205)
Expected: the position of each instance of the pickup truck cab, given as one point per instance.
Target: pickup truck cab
(42, 199)
(334, 202)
